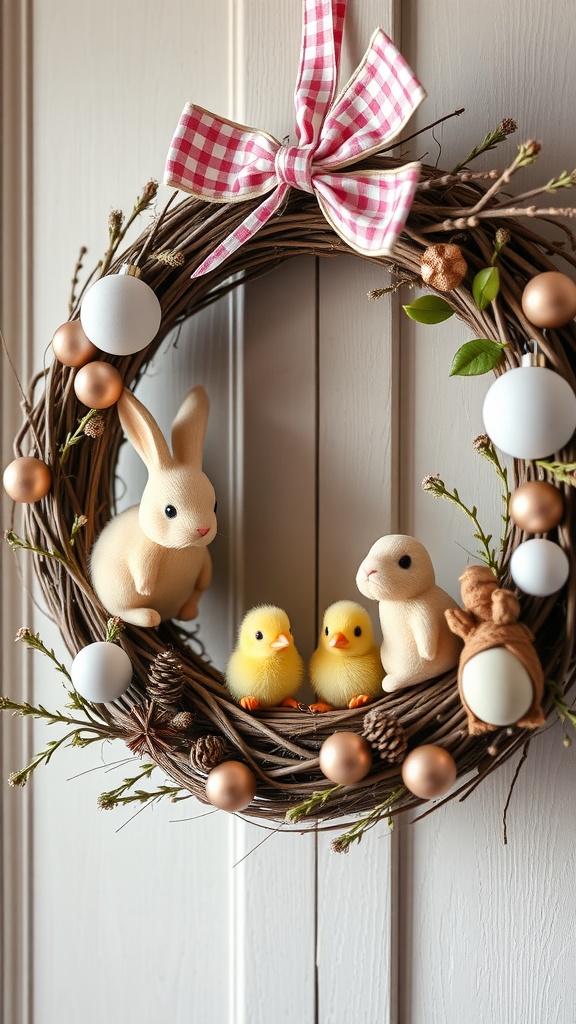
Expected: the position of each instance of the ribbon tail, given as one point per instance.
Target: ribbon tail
(245, 231)
(368, 209)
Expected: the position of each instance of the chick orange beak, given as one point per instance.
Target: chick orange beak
(280, 642)
(338, 640)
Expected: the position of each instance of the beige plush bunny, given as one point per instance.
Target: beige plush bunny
(151, 562)
(417, 644)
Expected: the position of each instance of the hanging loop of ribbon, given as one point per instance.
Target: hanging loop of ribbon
(223, 162)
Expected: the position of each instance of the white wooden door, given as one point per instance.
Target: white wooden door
(315, 450)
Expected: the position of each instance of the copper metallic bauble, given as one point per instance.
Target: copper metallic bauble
(429, 771)
(71, 346)
(536, 506)
(27, 479)
(345, 758)
(443, 267)
(231, 786)
(549, 299)
(98, 385)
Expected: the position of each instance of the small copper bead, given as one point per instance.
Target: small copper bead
(71, 346)
(27, 479)
(536, 506)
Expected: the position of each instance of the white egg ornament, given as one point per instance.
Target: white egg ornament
(120, 314)
(101, 672)
(497, 687)
(539, 567)
(530, 412)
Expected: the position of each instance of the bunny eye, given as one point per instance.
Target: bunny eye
(170, 512)
(357, 631)
(215, 507)
(405, 562)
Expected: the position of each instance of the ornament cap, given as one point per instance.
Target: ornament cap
(131, 270)
(533, 359)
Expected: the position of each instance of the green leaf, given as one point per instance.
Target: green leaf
(475, 357)
(485, 286)
(429, 309)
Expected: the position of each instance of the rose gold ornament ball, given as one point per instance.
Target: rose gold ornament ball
(345, 757)
(71, 346)
(27, 479)
(98, 385)
(231, 786)
(429, 771)
(536, 506)
(549, 299)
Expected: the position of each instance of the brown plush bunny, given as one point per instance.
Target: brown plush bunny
(490, 619)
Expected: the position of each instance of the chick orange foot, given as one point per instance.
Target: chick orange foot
(359, 701)
(289, 702)
(250, 703)
(320, 707)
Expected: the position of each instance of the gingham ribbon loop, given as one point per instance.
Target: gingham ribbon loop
(293, 166)
(223, 162)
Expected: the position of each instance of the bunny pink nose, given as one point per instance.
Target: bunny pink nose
(203, 530)
(370, 572)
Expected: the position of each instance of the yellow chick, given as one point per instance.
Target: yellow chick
(265, 669)
(345, 669)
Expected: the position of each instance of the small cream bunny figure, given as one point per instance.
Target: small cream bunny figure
(151, 562)
(417, 644)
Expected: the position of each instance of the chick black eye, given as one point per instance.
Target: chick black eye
(405, 562)
(357, 631)
(326, 631)
(259, 635)
(170, 512)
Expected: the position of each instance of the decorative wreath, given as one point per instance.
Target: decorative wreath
(462, 240)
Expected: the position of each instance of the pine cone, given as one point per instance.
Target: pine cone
(181, 721)
(385, 735)
(166, 680)
(207, 752)
(443, 266)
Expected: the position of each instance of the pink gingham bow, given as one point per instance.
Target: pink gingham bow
(222, 162)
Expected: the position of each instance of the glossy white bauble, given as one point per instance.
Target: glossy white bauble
(496, 686)
(530, 412)
(101, 672)
(120, 314)
(539, 567)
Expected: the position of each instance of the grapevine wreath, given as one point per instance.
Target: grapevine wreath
(473, 249)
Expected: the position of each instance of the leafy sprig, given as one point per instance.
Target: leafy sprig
(314, 803)
(382, 810)
(126, 793)
(506, 127)
(435, 485)
(565, 472)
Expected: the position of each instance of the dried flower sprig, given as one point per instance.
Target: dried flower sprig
(355, 834)
(75, 278)
(484, 447)
(79, 522)
(81, 431)
(170, 258)
(501, 239)
(506, 127)
(34, 643)
(114, 627)
(118, 226)
(565, 472)
(314, 802)
(437, 488)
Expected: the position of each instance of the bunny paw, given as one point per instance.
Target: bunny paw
(146, 617)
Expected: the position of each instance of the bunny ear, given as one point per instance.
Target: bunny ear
(189, 428)
(142, 431)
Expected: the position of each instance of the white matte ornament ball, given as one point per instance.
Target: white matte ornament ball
(530, 412)
(497, 687)
(120, 314)
(539, 567)
(101, 672)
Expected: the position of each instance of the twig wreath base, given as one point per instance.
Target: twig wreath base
(281, 746)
